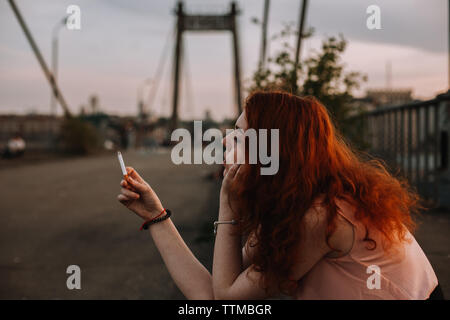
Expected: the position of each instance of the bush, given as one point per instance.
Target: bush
(79, 137)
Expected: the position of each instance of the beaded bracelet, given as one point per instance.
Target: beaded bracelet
(156, 220)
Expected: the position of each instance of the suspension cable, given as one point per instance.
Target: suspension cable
(160, 69)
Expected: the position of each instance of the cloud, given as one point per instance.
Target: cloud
(121, 41)
(413, 23)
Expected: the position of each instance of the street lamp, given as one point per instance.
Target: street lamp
(141, 106)
(55, 33)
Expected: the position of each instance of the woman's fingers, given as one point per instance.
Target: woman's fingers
(127, 185)
(236, 175)
(138, 186)
(225, 170)
(135, 180)
(232, 172)
(123, 183)
(127, 196)
(123, 199)
(130, 194)
(133, 174)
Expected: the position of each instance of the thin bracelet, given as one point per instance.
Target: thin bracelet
(165, 217)
(152, 219)
(149, 223)
(216, 223)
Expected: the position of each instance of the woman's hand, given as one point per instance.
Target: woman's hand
(138, 196)
(230, 176)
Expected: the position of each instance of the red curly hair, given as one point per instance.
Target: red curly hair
(313, 160)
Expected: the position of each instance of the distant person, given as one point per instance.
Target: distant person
(15, 147)
(327, 225)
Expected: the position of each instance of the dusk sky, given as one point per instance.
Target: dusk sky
(120, 44)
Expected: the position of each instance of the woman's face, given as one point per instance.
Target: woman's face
(234, 142)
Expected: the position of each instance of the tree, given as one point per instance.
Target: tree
(321, 75)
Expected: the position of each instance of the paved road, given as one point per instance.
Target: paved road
(433, 235)
(59, 213)
(65, 212)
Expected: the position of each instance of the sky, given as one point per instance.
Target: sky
(121, 42)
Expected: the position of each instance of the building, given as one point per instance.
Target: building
(38, 131)
(389, 97)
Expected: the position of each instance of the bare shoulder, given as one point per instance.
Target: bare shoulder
(314, 227)
(342, 238)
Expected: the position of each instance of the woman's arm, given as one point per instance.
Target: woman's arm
(191, 277)
(229, 280)
(227, 263)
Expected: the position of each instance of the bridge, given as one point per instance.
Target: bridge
(413, 140)
(45, 234)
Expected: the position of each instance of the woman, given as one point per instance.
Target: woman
(327, 225)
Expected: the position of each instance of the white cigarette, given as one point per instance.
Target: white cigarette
(122, 164)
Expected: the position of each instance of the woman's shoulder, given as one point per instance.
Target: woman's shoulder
(318, 211)
(341, 238)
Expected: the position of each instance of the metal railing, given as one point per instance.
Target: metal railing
(413, 138)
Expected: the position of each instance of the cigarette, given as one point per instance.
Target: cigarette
(122, 164)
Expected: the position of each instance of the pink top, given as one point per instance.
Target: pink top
(404, 274)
